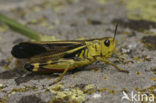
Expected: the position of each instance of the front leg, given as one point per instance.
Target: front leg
(109, 62)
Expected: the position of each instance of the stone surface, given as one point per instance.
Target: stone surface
(72, 19)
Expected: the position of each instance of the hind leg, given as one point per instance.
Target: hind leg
(61, 65)
(61, 76)
(71, 64)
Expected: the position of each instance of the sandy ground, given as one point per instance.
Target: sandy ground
(72, 19)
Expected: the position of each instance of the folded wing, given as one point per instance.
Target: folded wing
(47, 50)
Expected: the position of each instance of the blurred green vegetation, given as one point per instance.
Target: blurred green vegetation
(20, 28)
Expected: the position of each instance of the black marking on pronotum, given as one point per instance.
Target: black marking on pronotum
(72, 55)
(87, 52)
(84, 53)
(96, 47)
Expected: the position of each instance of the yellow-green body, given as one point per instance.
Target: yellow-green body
(94, 49)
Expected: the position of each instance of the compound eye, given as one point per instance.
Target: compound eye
(107, 43)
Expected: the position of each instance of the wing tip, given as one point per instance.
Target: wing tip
(18, 51)
(26, 50)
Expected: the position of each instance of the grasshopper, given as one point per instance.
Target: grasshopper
(62, 56)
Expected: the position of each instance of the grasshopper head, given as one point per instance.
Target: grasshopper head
(108, 45)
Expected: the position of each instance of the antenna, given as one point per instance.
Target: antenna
(116, 27)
